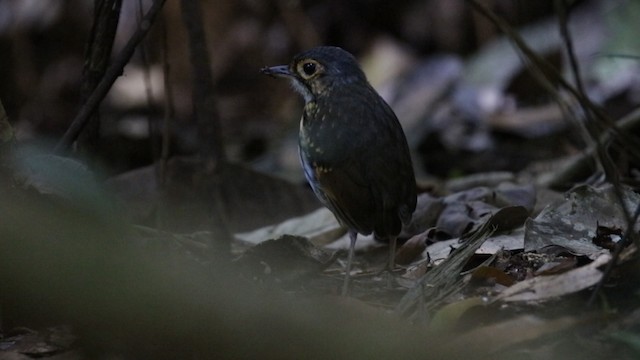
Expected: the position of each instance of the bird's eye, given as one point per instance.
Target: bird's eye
(309, 68)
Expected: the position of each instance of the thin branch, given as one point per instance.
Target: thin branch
(110, 76)
(554, 76)
(605, 161)
(621, 56)
(629, 123)
(563, 20)
(6, 131)
(591, 113)
(146, 73)
(169, 106)
(610, 170)
(209, 131)
(97, 54)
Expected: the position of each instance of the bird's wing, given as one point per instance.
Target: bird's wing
(391, 174)
(344, 190)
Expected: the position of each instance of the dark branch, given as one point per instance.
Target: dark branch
(209, 136)
(97, 54)
(110, 76)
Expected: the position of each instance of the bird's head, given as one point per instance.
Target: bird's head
(317, 71)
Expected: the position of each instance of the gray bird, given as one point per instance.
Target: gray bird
(352, 148)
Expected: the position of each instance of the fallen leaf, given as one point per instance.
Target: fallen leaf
(412, 249)
(572, 222)
(319, 226)
(287, 258)
(512, 241)
(546, 287)
(488, 272)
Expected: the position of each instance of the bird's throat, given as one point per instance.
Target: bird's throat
(303, 90)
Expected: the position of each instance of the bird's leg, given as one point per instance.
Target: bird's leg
(392, 260)
(347, 277)
(392, 253)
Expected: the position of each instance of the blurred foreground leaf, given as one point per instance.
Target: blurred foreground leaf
(63, 260)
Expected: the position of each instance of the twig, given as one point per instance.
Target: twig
(146, 73)
(600, 150)
(211, 147)
(169, 106)
(611, 172)
(629, 123)
(6, 131)
(621, 56)
(97, 54)
(563, 16)
(591, 113)
(7, 139)
(555, 77)
(209, 133)
(110, 76)
(590, 134)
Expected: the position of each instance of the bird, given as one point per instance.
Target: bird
(352, 148)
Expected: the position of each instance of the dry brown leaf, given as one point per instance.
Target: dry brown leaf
(545, 287)
(412, 249)
(488, 272)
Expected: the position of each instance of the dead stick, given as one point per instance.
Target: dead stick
(211, 147)
(110, 76)
(555, 77)
(97, 56)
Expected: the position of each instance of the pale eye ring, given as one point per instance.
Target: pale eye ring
(309, 68)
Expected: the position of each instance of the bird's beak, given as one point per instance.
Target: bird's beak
(277, 71)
